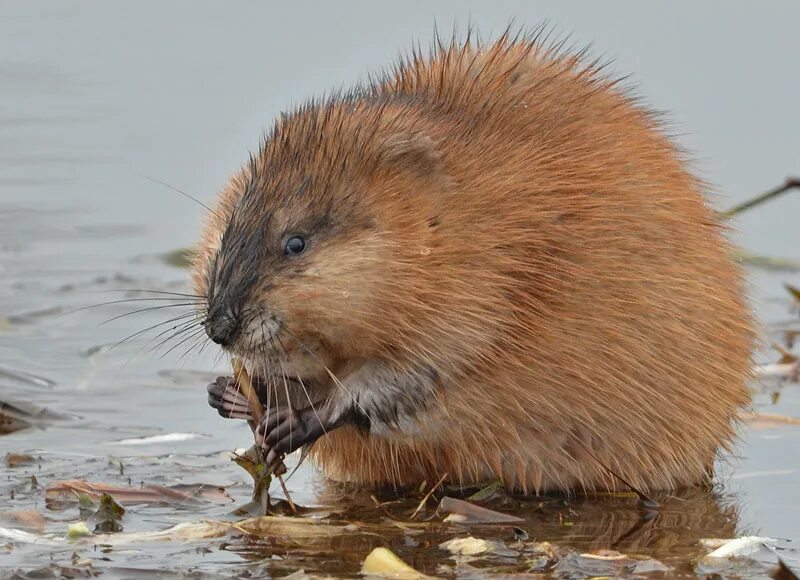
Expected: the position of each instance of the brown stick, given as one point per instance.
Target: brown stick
(790, 183)
(246, 387)
(428, 495)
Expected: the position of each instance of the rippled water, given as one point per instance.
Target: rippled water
(95, 94)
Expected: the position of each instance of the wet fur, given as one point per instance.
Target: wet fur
(517, 240)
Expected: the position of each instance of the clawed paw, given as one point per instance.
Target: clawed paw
(224, 396)
(285, 430)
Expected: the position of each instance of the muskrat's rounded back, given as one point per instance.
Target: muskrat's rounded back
(579, 295)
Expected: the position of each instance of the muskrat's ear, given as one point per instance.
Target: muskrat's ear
(413, 152)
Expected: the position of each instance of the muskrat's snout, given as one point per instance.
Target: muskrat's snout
(222, 327)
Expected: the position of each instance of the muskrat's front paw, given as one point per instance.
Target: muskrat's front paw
(286, 430)
(224, 396)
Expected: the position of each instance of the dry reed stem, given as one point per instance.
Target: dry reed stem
(428, 495)
(246, 387)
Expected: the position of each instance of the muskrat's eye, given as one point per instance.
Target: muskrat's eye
(294, 245)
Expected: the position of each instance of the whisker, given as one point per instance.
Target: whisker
(305, 390)
(198, 341)
(135, 334)
(185, 327)
(173, 188)
(191, 336)
(220, 354)
(164, 292)
(310, 402)
(333, 377)
(289, 406)
(110, 302)
(206, 342)
(149, 309)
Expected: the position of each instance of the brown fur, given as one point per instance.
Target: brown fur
(509, 217)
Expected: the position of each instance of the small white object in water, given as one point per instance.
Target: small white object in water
(78, 530)
(385, 563)
(468, 546)
(23, 537)
(155, 439)
(744, 546)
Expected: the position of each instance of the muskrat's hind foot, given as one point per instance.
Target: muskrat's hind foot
(286, 430)
(225, 396)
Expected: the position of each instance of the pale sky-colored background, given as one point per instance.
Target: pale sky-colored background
(181, 90)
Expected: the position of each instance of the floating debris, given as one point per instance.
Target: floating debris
(156, 439)
(78, 530)
(463, 512)
(106, 520)
(385, 563)
(66, 493)
(468, 546)
(13, 460)
(769, 420)
(738, 547)
(25, 377)
(28, 519)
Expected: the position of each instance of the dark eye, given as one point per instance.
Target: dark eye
(294, 245)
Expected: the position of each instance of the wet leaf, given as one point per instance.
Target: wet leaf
(107, 518)
(62, 494)
(604, 563)
(86, 506)
(739, 547)
(463, 512)
(13, 419)
(295, 528)
(16, 459)
(249, 460)
(486, 492)
(29, 520)
(468, 546)
(793, 292)
(609, 555)
(383, 562)
(23, 537)
(783, 572)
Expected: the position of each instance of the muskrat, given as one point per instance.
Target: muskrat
(491, 262)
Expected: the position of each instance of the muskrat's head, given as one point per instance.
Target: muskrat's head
(312, 253)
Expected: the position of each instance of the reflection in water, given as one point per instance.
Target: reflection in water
(670, 534)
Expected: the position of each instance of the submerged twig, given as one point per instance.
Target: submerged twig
(262, 480)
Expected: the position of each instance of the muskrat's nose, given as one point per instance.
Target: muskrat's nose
(221, 328)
